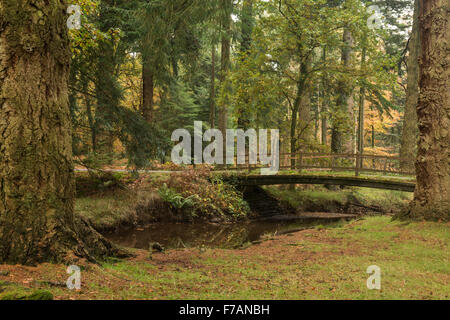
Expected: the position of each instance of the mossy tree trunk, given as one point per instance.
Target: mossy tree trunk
(432, 196)
(37, 221)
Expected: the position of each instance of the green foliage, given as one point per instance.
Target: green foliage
(176, 200)
(212, 197)
(288, 60)
(178, 108)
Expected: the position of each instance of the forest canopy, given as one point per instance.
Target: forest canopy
(328, 74)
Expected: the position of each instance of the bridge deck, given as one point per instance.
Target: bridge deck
(259, 180)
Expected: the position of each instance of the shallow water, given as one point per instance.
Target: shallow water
(179, 235)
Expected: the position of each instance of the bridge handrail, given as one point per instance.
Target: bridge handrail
(297, 162)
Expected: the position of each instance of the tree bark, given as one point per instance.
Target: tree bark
(410, 133)
(432, 196)
(37, 220)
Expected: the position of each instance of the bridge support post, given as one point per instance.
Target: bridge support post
(300, 164)
(358, 163)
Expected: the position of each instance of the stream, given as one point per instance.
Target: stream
(228, 236)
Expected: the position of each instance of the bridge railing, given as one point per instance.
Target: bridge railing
(357, 163)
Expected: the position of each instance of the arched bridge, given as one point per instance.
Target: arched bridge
(261, 180)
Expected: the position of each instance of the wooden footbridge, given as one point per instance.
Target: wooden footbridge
(283, 179)
(301, 166)
(313, 168)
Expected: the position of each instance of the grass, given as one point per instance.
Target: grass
(323, 263)
(107, 211)
(318, 198)
(128, 202)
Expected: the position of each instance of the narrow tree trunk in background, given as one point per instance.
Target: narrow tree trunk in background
(293, 135)
(373, 144)
(223, 107)
(294, 120)
(343, 126)
(410, 131)
(246, 33)
(305, 124)
(349, 144)
(37, 221)
(324, 129)
(247, 25)
(212, 95)
(225, 66)
(432, 196)
(90, 115)
(362, 99)
(91, 122)
(148, 91)
(107, 93)
(326, 102)
(317, 109)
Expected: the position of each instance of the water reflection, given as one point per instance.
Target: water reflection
(173, 235)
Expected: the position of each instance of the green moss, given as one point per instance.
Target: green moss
(12, 291)
(37, 295)
(40, 295)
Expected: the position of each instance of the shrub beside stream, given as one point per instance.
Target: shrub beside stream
(115, 201)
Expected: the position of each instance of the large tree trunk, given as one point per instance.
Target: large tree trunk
(410, 132)
(432, 196)
(342, 139)
(37, 221)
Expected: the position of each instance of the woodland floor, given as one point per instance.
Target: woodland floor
(322, 263)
